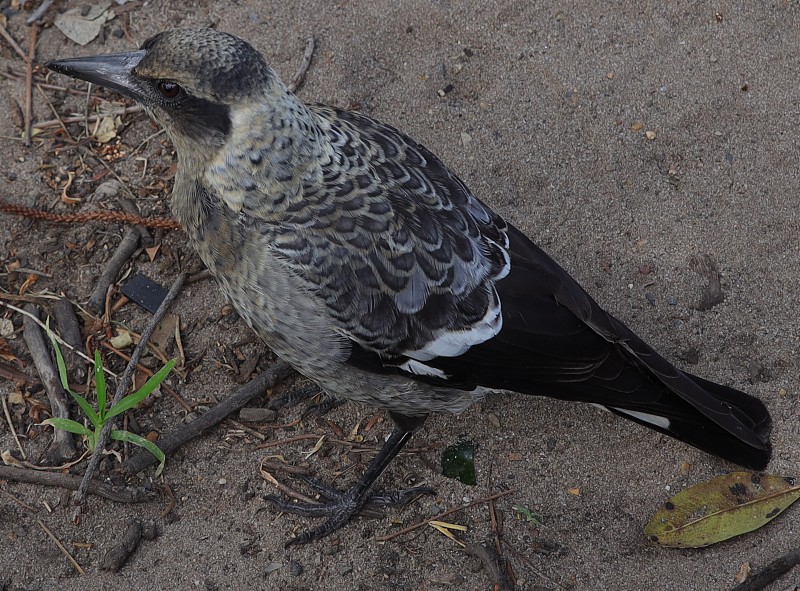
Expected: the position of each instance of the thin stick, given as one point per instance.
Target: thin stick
(300, 75)
(11, 427)
(438, 517)
(14, 45)
(55, 112)
(67, 323)
(122, 388)
(58, 338)
(39, 12)
(173, 440)
(61, 547)
(28, 113)
(532, 567)
(82, 118)
(117, 494)
(16, 500)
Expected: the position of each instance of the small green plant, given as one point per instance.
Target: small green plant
(525, 514)
(98, 418)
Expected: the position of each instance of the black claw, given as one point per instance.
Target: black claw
(326, 405)
(294, 396)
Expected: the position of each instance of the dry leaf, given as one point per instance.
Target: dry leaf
(83, 28)
(316, 447)
(105, 129)
(744, 572)
(721, 508)
(152, 251)
(444, 528)
(6, 328)
(122, 340)
(574, 491)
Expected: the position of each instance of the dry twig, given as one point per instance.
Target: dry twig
(438, 517)
(300, 75)
(185, 433)
(90, 216)
(28, 113)
(61, 547)
(117, 494)
(14, 45)
(126, 248)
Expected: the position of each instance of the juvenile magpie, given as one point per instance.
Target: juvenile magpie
(369, 266)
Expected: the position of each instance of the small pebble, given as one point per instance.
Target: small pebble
(672, 300)
(345, 569)
(222, 481)
(271, 567)
(12, 176)
(295, 568)
(257, 415)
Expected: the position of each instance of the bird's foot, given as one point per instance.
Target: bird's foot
(341, 506)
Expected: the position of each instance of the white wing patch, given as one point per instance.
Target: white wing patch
(648, 418)
(452, 343)
(420, 369)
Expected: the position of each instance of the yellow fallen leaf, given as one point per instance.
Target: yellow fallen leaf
(444, 528)
(316, 447)
(721, 508)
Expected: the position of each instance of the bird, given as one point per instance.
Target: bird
(368, 265)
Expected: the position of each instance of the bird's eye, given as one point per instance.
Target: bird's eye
(168, 89)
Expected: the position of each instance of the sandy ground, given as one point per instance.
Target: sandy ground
(545, 117)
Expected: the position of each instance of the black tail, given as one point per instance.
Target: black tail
(557, 341)
(686, 423)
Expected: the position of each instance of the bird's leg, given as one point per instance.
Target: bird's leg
(339, 506)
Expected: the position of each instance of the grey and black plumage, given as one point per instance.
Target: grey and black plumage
(368, 265)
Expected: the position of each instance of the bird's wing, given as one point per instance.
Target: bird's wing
(403, 254)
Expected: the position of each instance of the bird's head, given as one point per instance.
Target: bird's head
(190, 80)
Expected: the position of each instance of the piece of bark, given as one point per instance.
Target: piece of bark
(117, 556)
(771, 573)
(706, 266)
(62, 450)
(117, 494)
(70, 331)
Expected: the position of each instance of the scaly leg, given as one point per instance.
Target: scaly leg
(339, 506)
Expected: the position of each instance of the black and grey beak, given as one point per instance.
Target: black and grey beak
(112, 71)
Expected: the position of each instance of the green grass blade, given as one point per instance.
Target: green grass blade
(68, 425)
(142, 442)
(100, 385)
(62, 368)
(132, 400)
(86, 407)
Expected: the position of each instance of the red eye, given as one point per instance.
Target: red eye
(168, 89)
